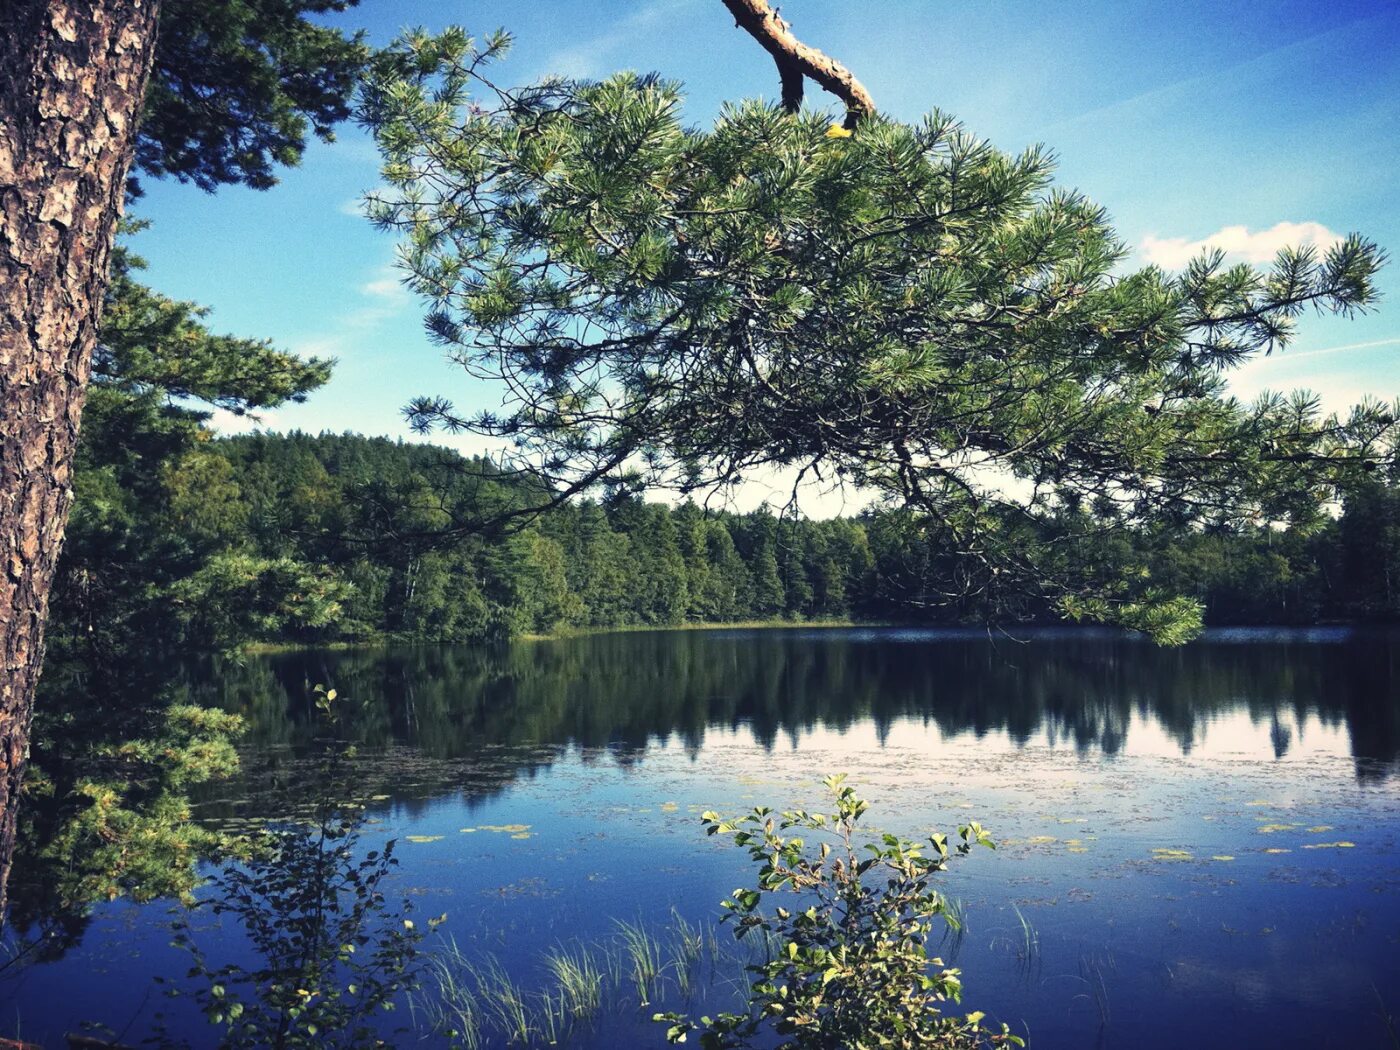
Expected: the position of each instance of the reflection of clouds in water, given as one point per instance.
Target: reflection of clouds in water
(462, 714)
(1231, 735)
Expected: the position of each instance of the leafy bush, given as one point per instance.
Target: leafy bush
(848, 964)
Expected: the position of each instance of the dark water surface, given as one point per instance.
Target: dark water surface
(1198, 847)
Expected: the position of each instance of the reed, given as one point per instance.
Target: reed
(643, 953)
(579, 979)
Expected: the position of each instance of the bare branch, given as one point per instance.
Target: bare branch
(796, 60)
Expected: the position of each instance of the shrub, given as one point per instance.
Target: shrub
(847, 964)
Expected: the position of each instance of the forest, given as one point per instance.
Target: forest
(302, 538)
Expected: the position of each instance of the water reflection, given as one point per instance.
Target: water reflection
(1103, 694)
(1180, 826)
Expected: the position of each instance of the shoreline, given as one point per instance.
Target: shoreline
(564, 633)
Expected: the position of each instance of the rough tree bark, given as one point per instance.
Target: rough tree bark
(72, 79)
(795, 60)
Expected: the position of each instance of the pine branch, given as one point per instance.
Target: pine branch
(796, 60)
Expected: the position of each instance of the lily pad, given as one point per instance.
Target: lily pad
(1163, 853)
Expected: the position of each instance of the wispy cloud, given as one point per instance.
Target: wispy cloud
(389, 287)
(383, 297)
(1287, 56)
(1238, 242)
(588, 58)
(1372, 344)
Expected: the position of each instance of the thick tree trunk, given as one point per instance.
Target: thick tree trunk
(72, 79)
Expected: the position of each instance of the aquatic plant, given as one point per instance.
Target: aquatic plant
(1091, 972)
(955, 925)
(851, 966)
(1027, 944)
(579, 977)
(471, 999)
(643, 953)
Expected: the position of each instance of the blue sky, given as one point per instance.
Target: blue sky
(1188, 119)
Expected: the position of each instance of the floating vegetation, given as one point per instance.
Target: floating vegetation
(1041, 840)
(1277, 849)
(1269, 829)
(1318, 829)
(1164, 853)
(1222, 857)
(669, 807)
(422, 838)
(515, 831)
(1329, 845)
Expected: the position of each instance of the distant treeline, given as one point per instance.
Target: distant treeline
(340, 537)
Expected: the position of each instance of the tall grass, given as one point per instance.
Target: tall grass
(579, 977)
(955, 931)
(472, 1000)
(643, 953)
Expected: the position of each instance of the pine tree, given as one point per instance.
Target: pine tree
(898, 305)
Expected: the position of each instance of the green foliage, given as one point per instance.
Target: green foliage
(301, 538)
(152, 343)
(236, 597)
(906, 309)
(153, 504)
(848, 963)
(107, 811)
(238, 84)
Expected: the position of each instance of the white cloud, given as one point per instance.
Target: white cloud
(319, 346)
(227, 423)
(1238, 243)
(387, 287)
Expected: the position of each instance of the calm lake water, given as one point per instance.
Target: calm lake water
(1197, 847)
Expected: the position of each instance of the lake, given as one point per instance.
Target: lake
(1197, 846)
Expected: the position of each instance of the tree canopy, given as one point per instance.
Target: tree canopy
(904, 308)
(238, 86)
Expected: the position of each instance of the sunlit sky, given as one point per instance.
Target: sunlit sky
(1247, 124)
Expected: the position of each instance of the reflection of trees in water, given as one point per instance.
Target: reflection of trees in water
(116, 762)
(106, 811)
(438, 708)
